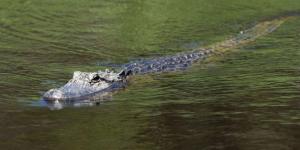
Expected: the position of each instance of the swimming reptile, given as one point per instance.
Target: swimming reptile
(92, 86)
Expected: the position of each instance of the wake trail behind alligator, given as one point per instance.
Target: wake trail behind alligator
(244, 37)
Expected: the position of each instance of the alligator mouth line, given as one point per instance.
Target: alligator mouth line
(88, 88)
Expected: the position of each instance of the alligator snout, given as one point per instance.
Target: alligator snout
(54, 94)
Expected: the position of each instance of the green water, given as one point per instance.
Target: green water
(247, 99)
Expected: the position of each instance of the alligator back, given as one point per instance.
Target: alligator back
(167, 63)
(183, 60)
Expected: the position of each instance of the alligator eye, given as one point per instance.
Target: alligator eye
(95, 79)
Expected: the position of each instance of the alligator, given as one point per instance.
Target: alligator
(89, 88)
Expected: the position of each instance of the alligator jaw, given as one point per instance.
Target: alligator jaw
(86, 84)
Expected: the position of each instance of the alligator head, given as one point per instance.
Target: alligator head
(84, 85)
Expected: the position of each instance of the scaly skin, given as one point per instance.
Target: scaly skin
(85, 88)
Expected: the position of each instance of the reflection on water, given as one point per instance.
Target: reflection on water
(96, 100)
(248, 99)
(57, 105)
